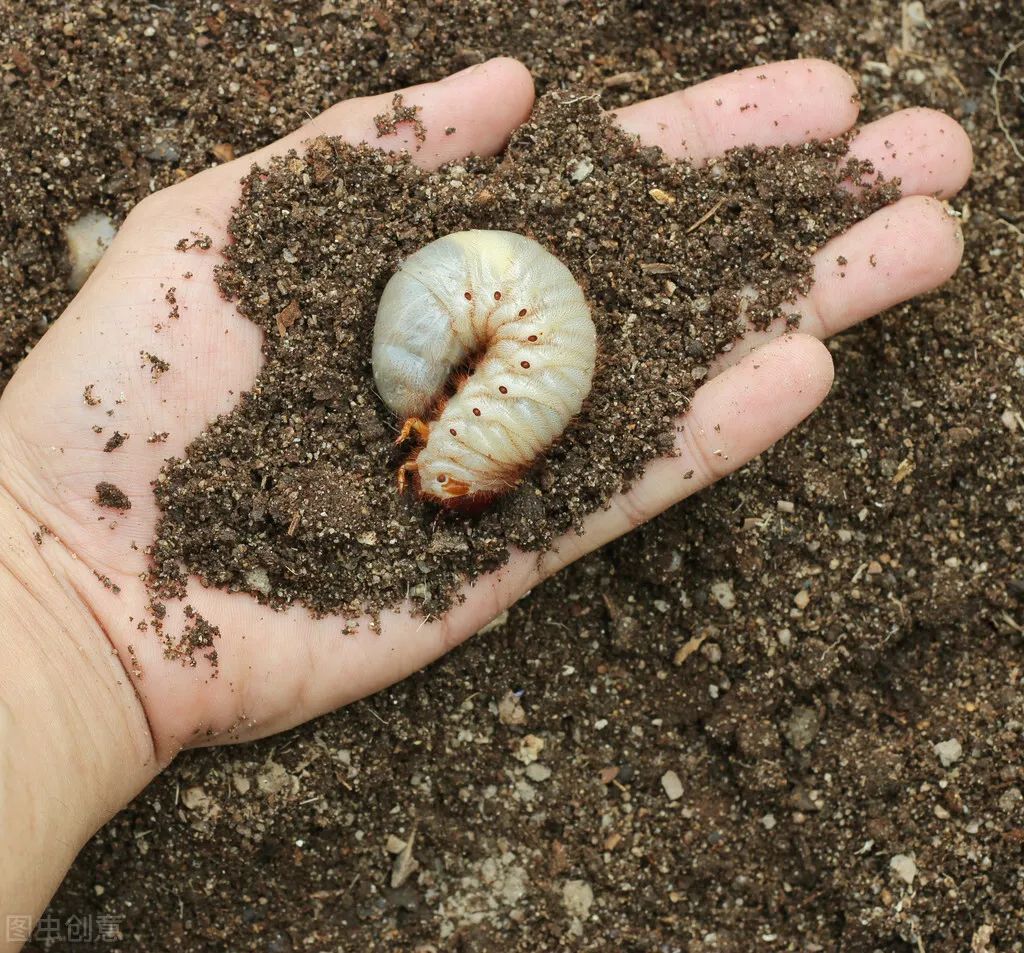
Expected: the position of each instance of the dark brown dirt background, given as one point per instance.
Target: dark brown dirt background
(803, 737)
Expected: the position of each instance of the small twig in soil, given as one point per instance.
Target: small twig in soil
(1013, 228)
(580, 99)
(375, 715)
(707, 215)
(997, 78)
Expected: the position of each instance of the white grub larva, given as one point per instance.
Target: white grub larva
(511, 314)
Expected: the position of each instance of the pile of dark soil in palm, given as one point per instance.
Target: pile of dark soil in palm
(292, 495)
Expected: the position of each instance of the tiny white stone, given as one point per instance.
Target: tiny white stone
(1010, 800)
(530, 748)
(538, 771)
(903, 866)
(582, 169)
(915, 13)
(195, 798)
(672, 785)
(949, 751)
(578, 897)
(87, 238)
(510, 710)
(723, 594)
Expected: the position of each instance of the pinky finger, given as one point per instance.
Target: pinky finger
(732, 419)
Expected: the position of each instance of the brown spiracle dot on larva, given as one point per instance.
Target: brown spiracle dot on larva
(486, 299)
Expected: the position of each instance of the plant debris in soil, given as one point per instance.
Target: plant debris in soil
(292, 495)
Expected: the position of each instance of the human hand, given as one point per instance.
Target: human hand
(277, 669)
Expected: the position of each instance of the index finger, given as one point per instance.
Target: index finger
(472, 112)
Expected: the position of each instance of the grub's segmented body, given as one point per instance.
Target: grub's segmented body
(501, 305)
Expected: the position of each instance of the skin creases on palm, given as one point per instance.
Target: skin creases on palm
(276, 669)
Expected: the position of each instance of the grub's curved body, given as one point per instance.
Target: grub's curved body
(507, 308)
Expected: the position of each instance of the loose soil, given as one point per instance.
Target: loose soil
(792, 645)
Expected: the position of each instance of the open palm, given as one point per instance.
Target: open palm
(279, 668)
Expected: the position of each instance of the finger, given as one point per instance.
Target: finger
(928, 151)
(900, 251)
(784, 103)
(897, 253)
(731, 420)
(471, 112)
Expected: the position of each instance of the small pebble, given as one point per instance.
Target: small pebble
(723, 595)
(163, 151)
(1010, 801)
(538, 771)
(195, 798)
(884, 70)
(87, 239)
(949, 751)
(582, 170)
(915, 13)
(903, 866)
(672, 785)
(511, 711)
(529, 749)
(578, 898)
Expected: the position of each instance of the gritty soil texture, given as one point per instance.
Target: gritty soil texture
(792, 644)
(292, 496)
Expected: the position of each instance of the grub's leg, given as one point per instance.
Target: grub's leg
(405, 468)
(413, 425)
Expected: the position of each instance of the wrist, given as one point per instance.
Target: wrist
(74, 743)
